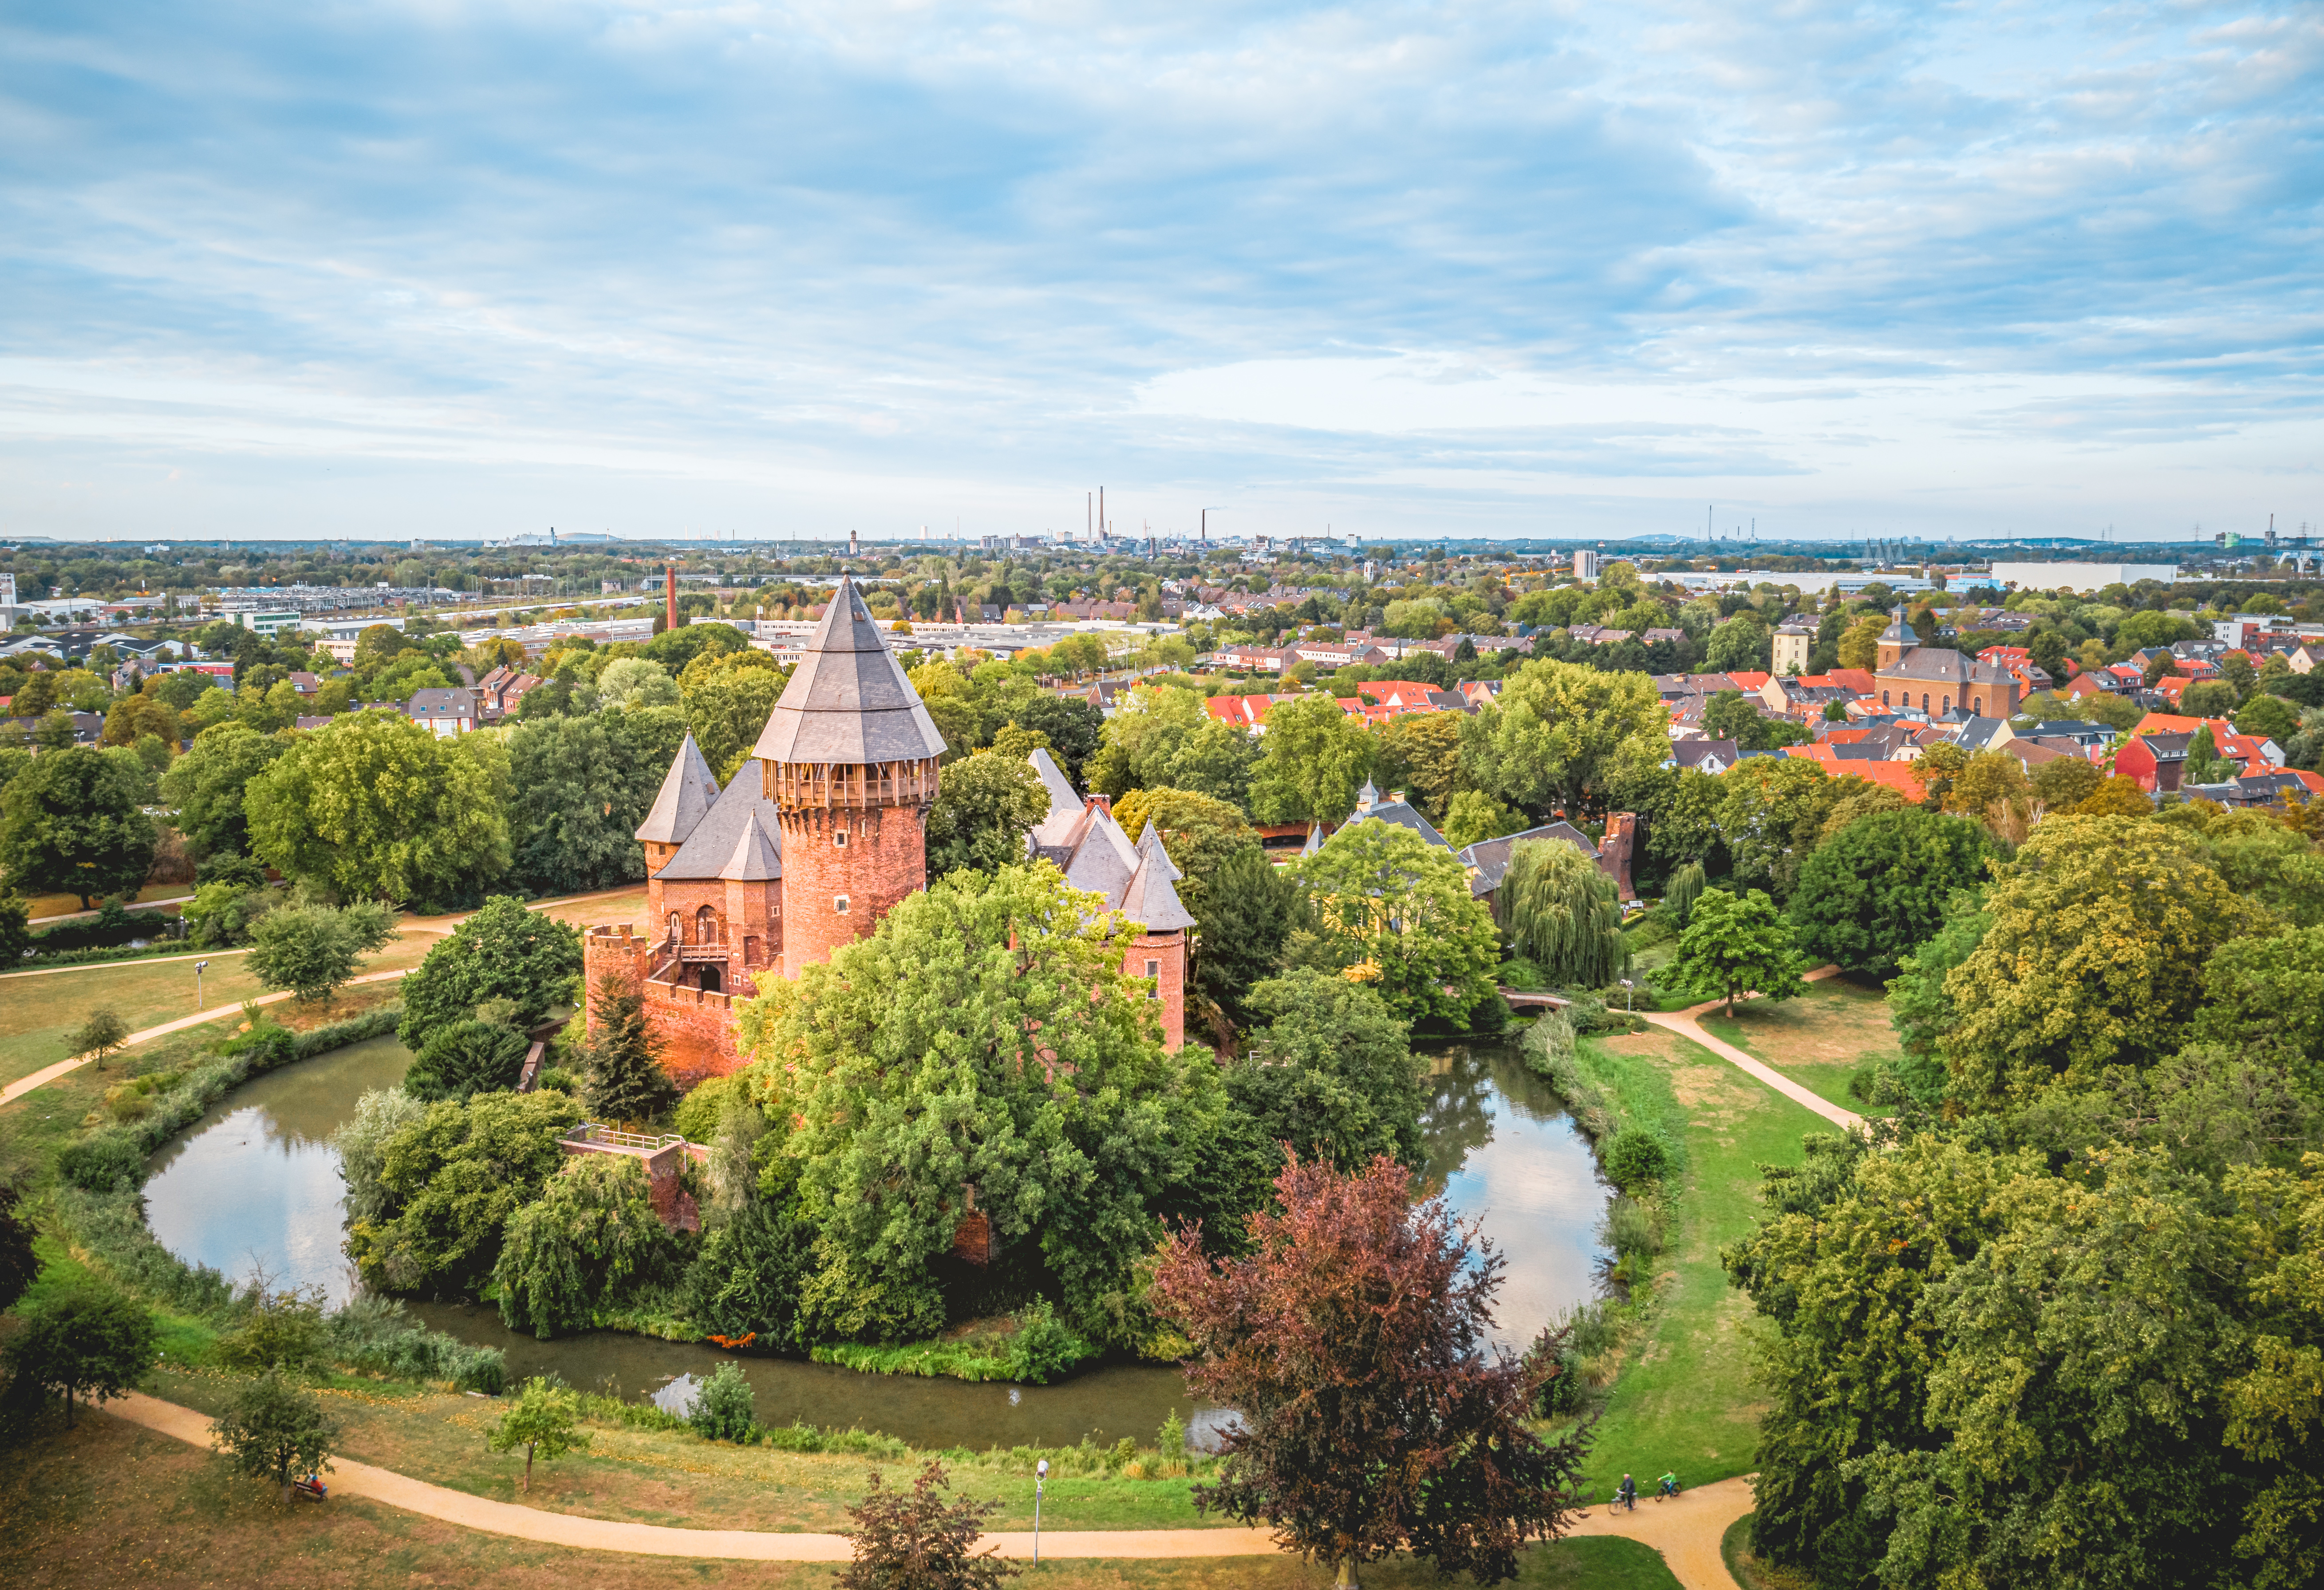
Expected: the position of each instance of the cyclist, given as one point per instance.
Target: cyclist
(1668, 1485)
(1627, 1495)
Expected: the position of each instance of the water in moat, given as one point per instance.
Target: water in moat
(255, 1184)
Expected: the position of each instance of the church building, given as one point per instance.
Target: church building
(1936, 679)
(821, 831)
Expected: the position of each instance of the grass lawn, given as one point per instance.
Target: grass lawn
(37, 1012)
(1819, 1040)
(44, 906)
(1684, 1401)
(111, 1503)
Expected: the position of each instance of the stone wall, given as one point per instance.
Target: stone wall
(1169, 950)
(883, 858)
(695, 1030)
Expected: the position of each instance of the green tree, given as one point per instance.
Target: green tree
(986, 806)
(312, 950)
(634, 682)
(273, 1430)
(2100, 930)
(1877, 888)
(1372, 1422)
(1771, 814)
(99, 1034)
(1400, 912)
(20, 1262)
(624, 1081)
(920, 1541)
(463, 1058)
(724, 1407)
(81, 1340)
(1163, 739)
(582, 786)
(1685, 887)
(983, 1037)
(2205, 765)
(1733, 946)
(1475, 815)
(747, 1280)
(1563, 914)
(2066, 783)
(1199, 833)
(70, 824)
(2208, 699)
(501, 952)
(676, 650)
(590, 1238)
(376, 807)
(727, 698)
(1312, 759)
(1242, 918)
(1419, 752)
(1329, 1071)
(1743, 641)
(1075, 728)
(545, 1421)
(1554, 735)
(2270, 717)
(448, 1184)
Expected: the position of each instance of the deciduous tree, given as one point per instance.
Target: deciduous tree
(1163, 739)
(1329, 1071)
(376, 807)
(1312, 759)
(311, 950)
(921, 1541)
(1243, 916)
(1873, 892)
(448, 1184)
(276, 1431)
(70, 824)
(504, 951)
(590, 1238)
(1733, 946)
(582, 786)
(986, 806)
(82, 1340)
(1563, 914)
(1374, 1418)
(1552, 735)
(727, 698)
(1399, 910)
(545, 1421)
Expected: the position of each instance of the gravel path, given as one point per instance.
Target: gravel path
(1684, 1023)
(1686, 1530)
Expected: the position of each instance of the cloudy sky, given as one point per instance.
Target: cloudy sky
(299, 267)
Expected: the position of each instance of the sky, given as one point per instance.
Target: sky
(451, 270)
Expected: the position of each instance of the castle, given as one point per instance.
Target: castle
(821, 831)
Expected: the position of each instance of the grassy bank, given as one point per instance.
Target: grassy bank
(112, 1503)
(1683, 1400)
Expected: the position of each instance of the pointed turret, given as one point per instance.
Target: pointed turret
(743, 808)
(850, 702)
(1150, 847)
(688, 791)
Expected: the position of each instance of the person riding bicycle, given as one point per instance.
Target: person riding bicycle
(1626, 1493)
(1669, 1486)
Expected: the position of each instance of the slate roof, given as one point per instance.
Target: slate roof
(850, 702)
(1691, 752)
(1057, 829)
(1490, 858)
(738, 840)
(687, 791)
(1093, 853)
(1370, 807)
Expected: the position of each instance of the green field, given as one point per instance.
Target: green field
(1819, 1040)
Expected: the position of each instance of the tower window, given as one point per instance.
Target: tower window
(839, 904)
(1154, 974)
(840, 838)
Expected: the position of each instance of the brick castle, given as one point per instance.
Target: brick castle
(821, 831)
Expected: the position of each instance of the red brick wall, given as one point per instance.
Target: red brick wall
(696, 1031)
(1170, 950)
(885, 859)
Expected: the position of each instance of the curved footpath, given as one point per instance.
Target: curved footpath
(1686, 1532)
(24, 1084)
(1684, 1023)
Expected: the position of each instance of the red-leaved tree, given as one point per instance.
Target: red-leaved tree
(1352, 1341)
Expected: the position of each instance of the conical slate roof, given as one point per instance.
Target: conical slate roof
(687, 793)
(739, 840)
(1150, 847)
(1055, 830)
(850, 700)
(1149, 899)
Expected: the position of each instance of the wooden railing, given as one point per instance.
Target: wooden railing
(829, 785)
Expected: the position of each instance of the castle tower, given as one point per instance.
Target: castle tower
(850, 755)
(688, 791)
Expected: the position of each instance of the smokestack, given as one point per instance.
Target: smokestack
(853, 549)
(669, 596)
(1101, 515)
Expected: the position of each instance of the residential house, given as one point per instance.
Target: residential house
(1794, 640)
(499, 692)
(1900, 776)
(1371, 807)
(444, 713)
(2156, 762)
(1709, 756)
(1488, 860)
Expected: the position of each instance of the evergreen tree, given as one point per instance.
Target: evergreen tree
(1243, 919)
(625, 1082)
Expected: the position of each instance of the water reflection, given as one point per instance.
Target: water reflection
(1502, 1150)
(255, 1181)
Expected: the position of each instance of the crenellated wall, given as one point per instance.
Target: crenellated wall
(869, 858)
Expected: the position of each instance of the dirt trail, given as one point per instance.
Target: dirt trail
(1686, 1026)
(1686, 1530)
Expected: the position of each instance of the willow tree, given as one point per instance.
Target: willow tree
(1563, 914)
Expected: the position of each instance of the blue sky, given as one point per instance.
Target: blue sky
(457, 270)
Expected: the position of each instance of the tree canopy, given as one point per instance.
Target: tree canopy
(1735, 946)
(1563, 914)
(986, 806)
(503, 951)
(71, 824)
(1164, 738)
(1871, 893)
(1553, 737)
(587, 783)
(1312, 759)
(207, 783)
(1398, 911)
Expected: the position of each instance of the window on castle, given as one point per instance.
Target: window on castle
(1153, 974)
(839, 904)
(840, 838)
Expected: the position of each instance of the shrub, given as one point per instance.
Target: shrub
(375, 1334)
(724, 1405)
(1634, 1157)
(746, 1279)
(280, 1330)
(464, 1058)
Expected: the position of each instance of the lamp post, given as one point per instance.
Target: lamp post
(1629, 997)
(199, 967)
(1040, 1474)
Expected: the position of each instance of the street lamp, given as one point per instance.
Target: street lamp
(1040, 1474)
(1630, 998)
(199, 967)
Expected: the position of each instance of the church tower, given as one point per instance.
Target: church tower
(850, 759)
(1895, 641)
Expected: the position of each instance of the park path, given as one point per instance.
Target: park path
(24, 1084)
(1686, 1530)
(1685, 1024)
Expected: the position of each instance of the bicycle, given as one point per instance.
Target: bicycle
(1667, 1487)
